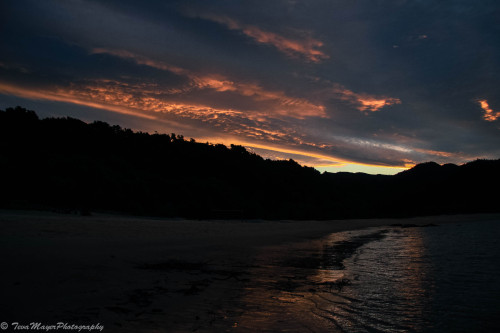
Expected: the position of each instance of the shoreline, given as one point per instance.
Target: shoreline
(142, 274)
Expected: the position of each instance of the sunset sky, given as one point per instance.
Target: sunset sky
(368, 85)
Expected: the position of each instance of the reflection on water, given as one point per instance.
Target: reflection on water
(391, 282)
(389, 279)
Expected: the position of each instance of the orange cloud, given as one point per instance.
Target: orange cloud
(128, 99)
(436, 153)
(120, 101)
(116, 94)
(61, 96)
(283, 105)
(232, 126)
(489, 114)
(364, 102)
(306, 48)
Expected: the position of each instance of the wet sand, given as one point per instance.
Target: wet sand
(146, 275)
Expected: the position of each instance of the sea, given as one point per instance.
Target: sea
(396, 278)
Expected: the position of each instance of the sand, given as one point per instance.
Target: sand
(133, 274)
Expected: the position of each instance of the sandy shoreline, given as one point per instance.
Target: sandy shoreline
(143, 275)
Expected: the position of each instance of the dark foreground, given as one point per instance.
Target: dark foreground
(152, 275)
(67, 165)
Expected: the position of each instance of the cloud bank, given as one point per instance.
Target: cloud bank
(330, 84)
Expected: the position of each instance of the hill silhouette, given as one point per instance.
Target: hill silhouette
(67, 165)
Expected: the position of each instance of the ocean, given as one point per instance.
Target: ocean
(399, 278)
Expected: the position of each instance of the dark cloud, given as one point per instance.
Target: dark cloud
(368, 82)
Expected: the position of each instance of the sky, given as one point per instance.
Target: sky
(372, 86)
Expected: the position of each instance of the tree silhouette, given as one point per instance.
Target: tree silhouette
(68, 165)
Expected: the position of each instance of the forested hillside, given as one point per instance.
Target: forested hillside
(67, 165)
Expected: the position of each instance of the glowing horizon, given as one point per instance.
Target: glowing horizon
(337, 163)
(347, 90)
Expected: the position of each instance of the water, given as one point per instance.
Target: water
(391, 279)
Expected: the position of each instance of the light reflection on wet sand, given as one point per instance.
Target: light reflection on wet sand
(199, 276)
(390, 280)
(365, 280)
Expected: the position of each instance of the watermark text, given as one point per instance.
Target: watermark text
(60, 326)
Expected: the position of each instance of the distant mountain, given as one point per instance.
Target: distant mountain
(66, 165)
(423, 169)
(430, 169)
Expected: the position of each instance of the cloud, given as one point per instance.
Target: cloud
(230, 126)
(376, 144)
(437, 153)
(192, 74)
(364, 102)
(281, 104)
(307, 48)
(146, 102)
(141, 60)
(62, 96)
(489, 114)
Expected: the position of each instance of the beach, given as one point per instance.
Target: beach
(136, 274)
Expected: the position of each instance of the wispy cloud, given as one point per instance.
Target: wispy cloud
(307, 48)
(143, 98)
(304, 76)
(489, 113)
(282, 104)
(127, 99)
(229, 126)
(364, 102)
(437, 153)
(63, 96)
(374, 144)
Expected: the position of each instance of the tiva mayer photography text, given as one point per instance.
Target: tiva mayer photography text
(36, 326)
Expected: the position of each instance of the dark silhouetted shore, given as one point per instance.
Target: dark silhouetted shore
(66, 165)
(136, 274)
